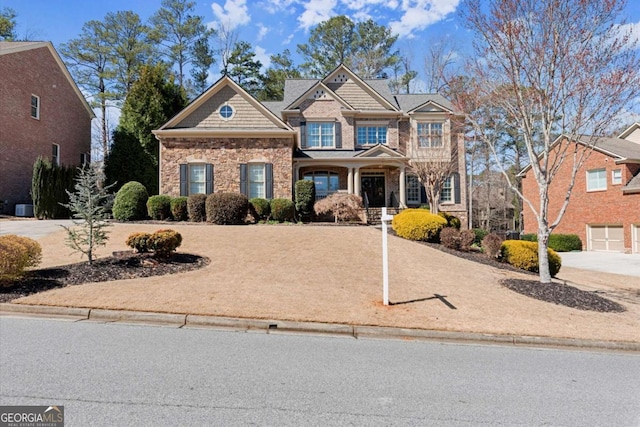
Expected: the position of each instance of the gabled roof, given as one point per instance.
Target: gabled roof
(318, 90)
(9, 48)
(222, 83)
(415, 102)
(632, 186)
(629, 130)
(379, 150)
(362, 83)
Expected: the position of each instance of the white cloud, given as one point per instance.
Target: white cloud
(275, 6)
(288, 39)
(419, 14)
(234, 13)
(262, 31)
(633, 29)
(263, 57)
(316, 11)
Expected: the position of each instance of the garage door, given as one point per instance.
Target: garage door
(636, 238)
(606, 238)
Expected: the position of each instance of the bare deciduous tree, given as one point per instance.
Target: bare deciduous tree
(547, 68)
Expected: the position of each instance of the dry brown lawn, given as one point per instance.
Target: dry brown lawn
(333, 274)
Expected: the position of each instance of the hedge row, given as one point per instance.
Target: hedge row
(558, 242)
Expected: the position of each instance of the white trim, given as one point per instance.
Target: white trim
(56, 161)
(635, 242)
(233, 112)
(615, 181)
(592, 190)
(37, 116)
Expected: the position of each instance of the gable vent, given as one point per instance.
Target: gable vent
(319, 94)
(340, 78)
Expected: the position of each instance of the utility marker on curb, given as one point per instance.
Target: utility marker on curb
(385, 257)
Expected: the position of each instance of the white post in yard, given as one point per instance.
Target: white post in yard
(385, 257)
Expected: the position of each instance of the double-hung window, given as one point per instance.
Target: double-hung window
(370, 135)
(35, 107)
(597, 180)
(256, 180)
(430, 134)
(616, 177)
(321, 135)
(197, 179)
(446, 192)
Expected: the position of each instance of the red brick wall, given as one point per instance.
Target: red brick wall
(609, 207)
(64, 120)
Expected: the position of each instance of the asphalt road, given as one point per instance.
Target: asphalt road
(118, 374)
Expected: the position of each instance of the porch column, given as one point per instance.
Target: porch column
(403, 190)
(350, 181)
(356, 182)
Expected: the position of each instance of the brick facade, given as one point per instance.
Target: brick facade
(605, 207)
(226, 154)
(63, 120)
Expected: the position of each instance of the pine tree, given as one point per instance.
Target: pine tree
(89, 204)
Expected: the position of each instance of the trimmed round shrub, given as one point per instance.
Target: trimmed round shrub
(130, 203)
(196, 207)
(418, 224)
(16, 254)
(139, 242)
(260, 207)
(558, 242)
(282, 210)
(159, 207)
(479, 234)
(450, 237)
(305, 192)
(227, 208)
(491, 244)
(467, 238)
(452, 220)
(179, 208)
(524, 255)
(163, 242)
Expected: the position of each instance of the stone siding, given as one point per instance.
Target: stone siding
(226, 155)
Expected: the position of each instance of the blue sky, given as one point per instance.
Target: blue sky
(270, 25)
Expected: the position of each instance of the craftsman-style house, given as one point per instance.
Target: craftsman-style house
(344, 133)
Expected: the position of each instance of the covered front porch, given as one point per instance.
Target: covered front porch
(378, 175)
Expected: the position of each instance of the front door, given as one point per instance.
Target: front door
(373, 187)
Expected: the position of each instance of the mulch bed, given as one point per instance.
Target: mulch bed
(122, 266)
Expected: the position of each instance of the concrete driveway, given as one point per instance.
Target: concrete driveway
(32, 228)
(607, 262)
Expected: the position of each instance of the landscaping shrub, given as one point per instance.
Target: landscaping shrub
(139, 242)
(282, 210)
(452, 220)
(418, 224)
(479, 234)
(130, 203)
(343, 207)
(16, 254)
(558, 242)
(491, 244)
(49, 186)
(450, 237)
(163, 242)
(226, 208)
(466, 240)
(196, 207)
(179, 209)
(159, 207)
(305, 194)
(261, 208)
(524, 255)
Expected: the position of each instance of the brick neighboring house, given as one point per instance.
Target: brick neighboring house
(344, 133)
(604, 209)
(43, 113)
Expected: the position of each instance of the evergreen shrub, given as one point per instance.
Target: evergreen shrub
(261, 208)
(282, 210)
(196, 207)
(159, 207)
(558, 242)
(305, 195)
(227, 208)
(130, 203)
(418, 224)
(524, 255)
(179, 209)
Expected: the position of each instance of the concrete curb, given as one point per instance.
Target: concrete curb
(285, 326)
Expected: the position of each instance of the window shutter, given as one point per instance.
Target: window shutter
(209, 178)
(243, 179)
(338, 130)
(268, 171)
(184, 181)
(303, 135)
(456, 187)
(423, 194)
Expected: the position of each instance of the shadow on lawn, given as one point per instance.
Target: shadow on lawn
(442, 298)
